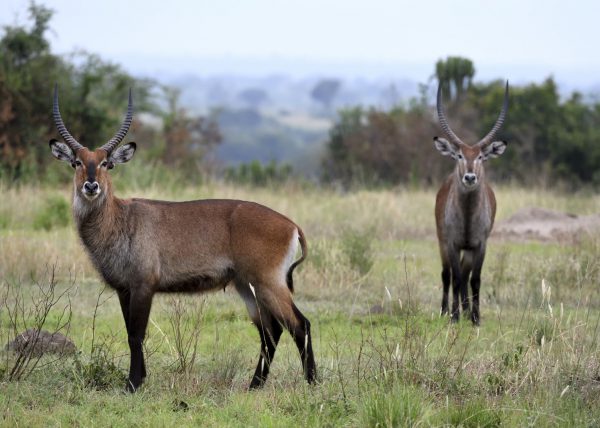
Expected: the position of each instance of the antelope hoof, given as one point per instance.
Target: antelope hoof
(455, 317)
(312, 378)
(131, 386)
(475, 318)
(256, 383)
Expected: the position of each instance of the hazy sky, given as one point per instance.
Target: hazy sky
(518, 38)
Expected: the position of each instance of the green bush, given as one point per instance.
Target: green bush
(4, 220)
(542, 329)
(357, 246)
(54, 213)
(99, 372)
(403, 407)
(257, 174)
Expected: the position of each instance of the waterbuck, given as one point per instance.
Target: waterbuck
(465, 208)
(141, 247)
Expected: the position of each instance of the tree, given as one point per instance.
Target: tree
(93, 98)
(254, 97)
(456, 75)
(325, 91)
(24, 57)
(93, 94)
(550, 140)
(376, 146)
(187, 138)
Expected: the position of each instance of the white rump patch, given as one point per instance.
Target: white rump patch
(290, 257)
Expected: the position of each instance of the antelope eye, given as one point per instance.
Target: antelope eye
(78, 163)
(104, 164)
(461, 157)
(480, 157)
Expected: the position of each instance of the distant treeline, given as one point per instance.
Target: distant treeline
(549, 140)
(93, 99)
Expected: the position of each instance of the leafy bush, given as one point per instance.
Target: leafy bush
(99, 372)
(357, 246)
(4, 220)
(257, 174)
(55, 213)
(403, 407)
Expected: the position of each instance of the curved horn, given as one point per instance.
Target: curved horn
(114, 141)
(489, 137)
(443, 120)
(60, 125)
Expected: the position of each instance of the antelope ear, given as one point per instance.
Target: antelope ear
(445, 147)
(494, 149)
(121, 154)
(61, 151)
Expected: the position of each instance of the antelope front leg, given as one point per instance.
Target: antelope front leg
(475, 284)
(124, 297)
(446, 284)
(456, 283)
(140, 302)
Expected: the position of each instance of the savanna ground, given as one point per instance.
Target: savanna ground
(371, 288)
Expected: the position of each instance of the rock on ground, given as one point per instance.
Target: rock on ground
(40, 342)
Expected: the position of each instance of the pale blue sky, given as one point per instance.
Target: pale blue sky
(525, 39)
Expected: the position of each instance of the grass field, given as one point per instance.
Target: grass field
(371, 290)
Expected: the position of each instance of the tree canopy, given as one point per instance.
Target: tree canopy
(93, 99)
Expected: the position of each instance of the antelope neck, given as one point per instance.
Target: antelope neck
(94, 219)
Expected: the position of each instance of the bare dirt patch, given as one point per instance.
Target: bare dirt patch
(542, 224)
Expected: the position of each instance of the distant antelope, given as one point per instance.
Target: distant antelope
(141, 247)
(465, 209)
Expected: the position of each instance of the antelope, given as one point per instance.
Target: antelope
(465, 208)
(141, 247)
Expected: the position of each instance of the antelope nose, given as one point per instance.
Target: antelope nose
(90, 187)
(470, 178)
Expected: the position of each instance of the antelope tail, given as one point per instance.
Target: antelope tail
(289, 278)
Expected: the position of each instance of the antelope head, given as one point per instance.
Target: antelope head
(470, 158)
(91, 180)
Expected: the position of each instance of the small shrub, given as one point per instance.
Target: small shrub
(28, 315)
(99, 372)
(226, 366)
(321, 254)
(185, 318)
(496, 383)
(257, 174)
(543, 329)
(402, 407)
(357, 246)
(512, 359)
(55, 213)
(4, 220)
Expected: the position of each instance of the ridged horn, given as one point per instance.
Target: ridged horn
(442, 118)
(490, 136)
(60, 125)
(116, 140)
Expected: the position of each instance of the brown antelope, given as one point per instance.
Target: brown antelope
(141, 247)
(465, 209)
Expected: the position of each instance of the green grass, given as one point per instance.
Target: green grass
(534, 361)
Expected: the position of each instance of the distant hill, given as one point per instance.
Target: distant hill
(275, 117)
(287, 93)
